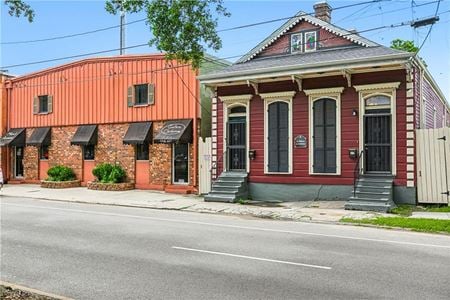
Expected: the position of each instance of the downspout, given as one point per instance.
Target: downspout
(7, 113)
(196, 129)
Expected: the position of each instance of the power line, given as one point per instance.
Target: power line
(429, 31)
(69, 35)
(405, 23)
(144, 19)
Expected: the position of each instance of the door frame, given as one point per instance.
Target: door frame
(388, 89)
(241, 116)
(368, 115)
(188, 166)
(228, 103)
(14, 161)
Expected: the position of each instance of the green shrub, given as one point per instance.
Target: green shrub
(108, 173)
(60, 173)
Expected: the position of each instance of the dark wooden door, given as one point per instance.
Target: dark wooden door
(324, 136)
(18, 161)
(237, 141)
(377, 143)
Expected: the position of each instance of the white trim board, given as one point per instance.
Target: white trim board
(318, 94)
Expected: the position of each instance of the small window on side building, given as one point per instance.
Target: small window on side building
(142, 151)
(89, 152)
(43, 152)
(43, 104)
(141, 94)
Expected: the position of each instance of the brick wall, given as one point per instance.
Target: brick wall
(31, 161)
(110, 148)
(61, 152)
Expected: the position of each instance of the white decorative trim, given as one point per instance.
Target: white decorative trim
(324, 92)
(233, 101)
(268, 99)
(244, 97)
(377, 86)
(410, 183)
(387, 89)
(278, 95)
(314, 95)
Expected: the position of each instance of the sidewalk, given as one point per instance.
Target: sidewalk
(319, 211)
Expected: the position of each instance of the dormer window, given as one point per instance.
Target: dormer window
(304, 41)
(296, 42)
(310, 41)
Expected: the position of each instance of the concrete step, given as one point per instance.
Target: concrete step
(376, 181)
(373, 195)
(379, 207)
(366, 199)
(230, 187)
(219, 198)
(374, 187)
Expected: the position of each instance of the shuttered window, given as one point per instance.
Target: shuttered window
(324, 136)
(141, 94)
(278, 137)
(43, 104)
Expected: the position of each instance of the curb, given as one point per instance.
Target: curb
(34, 291)
(186, 209)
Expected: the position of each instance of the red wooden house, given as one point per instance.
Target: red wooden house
(315, 109)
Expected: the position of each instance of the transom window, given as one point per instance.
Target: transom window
(377, 101)
(238, 110)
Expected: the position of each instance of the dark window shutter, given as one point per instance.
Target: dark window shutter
(272, 138)
(151, 93)
(36, 105)
(50, 104)
(130, 96)
(324, 136)
(278, 137)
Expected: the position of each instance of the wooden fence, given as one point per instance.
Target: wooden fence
(433, 165)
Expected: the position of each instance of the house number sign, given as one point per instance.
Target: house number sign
(300, 141)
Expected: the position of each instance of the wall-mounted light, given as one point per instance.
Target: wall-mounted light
(252, 154)
(354, 112)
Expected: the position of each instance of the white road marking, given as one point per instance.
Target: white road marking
(253, 258)
(232, 226)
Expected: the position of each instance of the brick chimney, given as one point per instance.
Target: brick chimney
(323, 11)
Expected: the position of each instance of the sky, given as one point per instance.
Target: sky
(58, 18)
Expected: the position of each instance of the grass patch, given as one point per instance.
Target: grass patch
(415, 224)
(445, 209)
(407, 210)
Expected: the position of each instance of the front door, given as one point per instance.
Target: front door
(18, 161)
(236, 148)
(377, 143)
(181, 163)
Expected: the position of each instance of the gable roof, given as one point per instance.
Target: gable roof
(306, 62)
(302, 16)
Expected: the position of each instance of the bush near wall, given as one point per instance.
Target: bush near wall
(60, 177)
(60, 173)
(109, 173)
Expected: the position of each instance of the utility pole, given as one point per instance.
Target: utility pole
(122, 31)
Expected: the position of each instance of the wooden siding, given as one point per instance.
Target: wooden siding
(326, 40)
(432, 102)
(94, 91)
(349, 127)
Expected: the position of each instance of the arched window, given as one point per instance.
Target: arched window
(278, 137)
(377, 101)
(238, 110)
(324, 136)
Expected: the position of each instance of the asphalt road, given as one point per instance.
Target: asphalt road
(104, 252)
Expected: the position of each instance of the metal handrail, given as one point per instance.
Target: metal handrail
(357, 172)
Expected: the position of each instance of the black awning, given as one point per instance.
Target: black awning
(85, 135)
(14, 137)
(40, 136)
(177, 131)
(138, 133)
